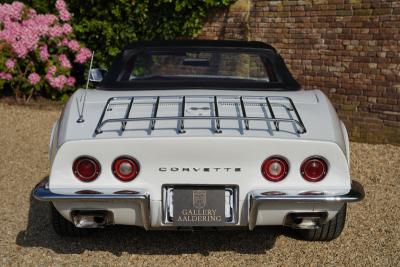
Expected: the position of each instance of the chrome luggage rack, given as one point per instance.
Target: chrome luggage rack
(214, 100)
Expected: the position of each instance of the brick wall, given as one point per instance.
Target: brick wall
(349, 49)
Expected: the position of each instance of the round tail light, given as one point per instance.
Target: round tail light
(125, 168)
(275, 169)
(86, 169)
(314, 169)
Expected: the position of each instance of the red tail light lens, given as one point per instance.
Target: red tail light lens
(125, 168)
(86, 169)
(314, 169)
(275, 169)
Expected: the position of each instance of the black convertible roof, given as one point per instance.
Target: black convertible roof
(201, 43)
(117, 77)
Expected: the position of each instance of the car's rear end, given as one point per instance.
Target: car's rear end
(182, 159)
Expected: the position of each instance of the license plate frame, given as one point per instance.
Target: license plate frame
(202, 206)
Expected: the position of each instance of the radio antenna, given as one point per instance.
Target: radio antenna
(80, 119)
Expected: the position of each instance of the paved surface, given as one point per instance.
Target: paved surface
(371, 235)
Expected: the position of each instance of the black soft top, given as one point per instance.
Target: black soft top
(201, 43)
(120, 67)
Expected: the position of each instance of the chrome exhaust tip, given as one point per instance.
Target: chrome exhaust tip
(91, 219)
(306, 220)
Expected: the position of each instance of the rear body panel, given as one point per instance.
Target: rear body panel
(199, 156)
(201, 160)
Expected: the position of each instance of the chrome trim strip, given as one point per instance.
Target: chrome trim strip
(42, 192)
(356, 194)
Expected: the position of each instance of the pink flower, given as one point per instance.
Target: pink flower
(11, 12)
(58, 82)
(34, 78)
(46, 19)
(65, 63)
(74, 45)
(10, 63)
(23, 36)
(32, 12)
(43, 53)
(65, 15)
(26, 34)
(62, 10)
(23, 33)
(83, 55)
(5, 76)
(56, 31)
(64, 42)
(52, 70)
(71, 81)
(60, 4)
(67, 29)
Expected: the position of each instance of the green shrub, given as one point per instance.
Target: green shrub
(107, 26)
(37, 51)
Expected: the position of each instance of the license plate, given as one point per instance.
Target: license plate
(199, 206)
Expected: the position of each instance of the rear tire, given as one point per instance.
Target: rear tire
(328, 231)
(63, 227)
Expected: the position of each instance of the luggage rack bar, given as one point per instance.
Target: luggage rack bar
(272, 113)
(217, 121)
(128, 110)
(153, 121)
(246, 122)
(182, 125)
(213, 100)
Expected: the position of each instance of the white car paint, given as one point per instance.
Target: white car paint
(199, 147)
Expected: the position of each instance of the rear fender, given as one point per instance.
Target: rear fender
(53, 145)
(347, 143)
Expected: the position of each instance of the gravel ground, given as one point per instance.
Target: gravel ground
(371, 235)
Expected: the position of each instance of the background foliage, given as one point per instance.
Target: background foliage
(107, 26)
(37, 51)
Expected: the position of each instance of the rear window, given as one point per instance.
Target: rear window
(201, 64)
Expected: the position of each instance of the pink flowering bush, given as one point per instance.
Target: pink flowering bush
(37, 51)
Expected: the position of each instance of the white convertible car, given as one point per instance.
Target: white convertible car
(199, 134)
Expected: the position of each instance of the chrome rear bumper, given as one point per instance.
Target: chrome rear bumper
(42, 192)
(256, 198)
